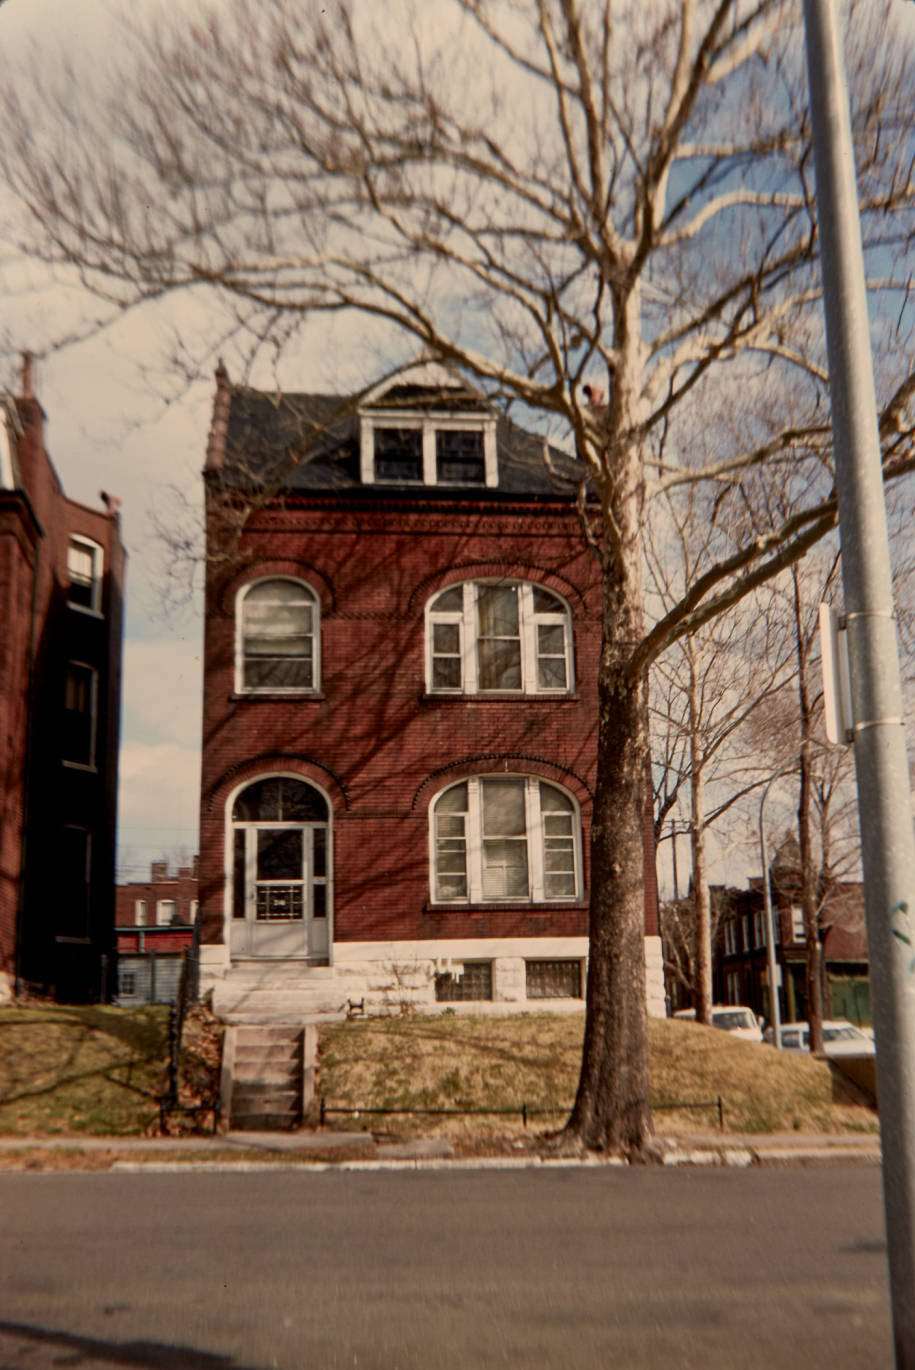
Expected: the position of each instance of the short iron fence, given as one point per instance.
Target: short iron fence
(522, 1111)
(188, 993)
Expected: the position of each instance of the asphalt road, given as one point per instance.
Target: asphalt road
(617, 1269)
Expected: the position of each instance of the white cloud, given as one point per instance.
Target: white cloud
(160, 783)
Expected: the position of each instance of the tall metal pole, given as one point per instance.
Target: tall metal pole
(884, 797)
(775, 1017)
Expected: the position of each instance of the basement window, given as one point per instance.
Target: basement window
(473, 982)
(553, 979)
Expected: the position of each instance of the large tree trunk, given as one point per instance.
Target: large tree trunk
(611, 1110)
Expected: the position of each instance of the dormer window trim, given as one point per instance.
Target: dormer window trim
(429, 424)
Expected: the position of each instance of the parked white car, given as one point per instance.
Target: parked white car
(840, 1038)
(742, 1022)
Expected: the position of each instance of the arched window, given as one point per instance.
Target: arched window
(505, 837)
(281, 869)
(278, 638)
(498, 637)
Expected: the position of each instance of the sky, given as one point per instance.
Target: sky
(108, 428)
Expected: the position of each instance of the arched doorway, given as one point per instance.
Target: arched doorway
(280, 883)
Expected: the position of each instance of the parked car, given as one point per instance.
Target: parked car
(840, 1038)
(742, 1022)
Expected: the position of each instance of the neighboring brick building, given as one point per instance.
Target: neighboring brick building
(399, 706)
(739, 956)
(61, 608)
(155, 927)
(166, 899)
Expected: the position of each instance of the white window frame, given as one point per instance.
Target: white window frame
(733, 987)
(91, 764)
(160, 905)
(759, 928)
(429, 424)
(139, 913)
(240, 687)
(798, 931)
(534, 837)
(193, 910)
(529, 620)
(730, 938)
(98, 566)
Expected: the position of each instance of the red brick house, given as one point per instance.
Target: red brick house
(155, 927)
(739, 955)
(399, 707)
(61, 608)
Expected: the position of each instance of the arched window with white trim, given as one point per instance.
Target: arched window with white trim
(499, 838)
(498, 637)
(278, 638)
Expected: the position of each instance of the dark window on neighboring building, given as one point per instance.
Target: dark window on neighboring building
(554, 979)
(399, 454)
(74, 869)
(84, 572)
(128, 983)
(459, 457)
(474, 982)
(79, 715)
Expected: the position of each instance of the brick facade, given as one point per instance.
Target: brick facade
(58, 819)
(377, 743)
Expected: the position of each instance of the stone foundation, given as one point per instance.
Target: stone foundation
(399, 977)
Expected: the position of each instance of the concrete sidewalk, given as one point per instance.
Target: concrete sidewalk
(693, 1149)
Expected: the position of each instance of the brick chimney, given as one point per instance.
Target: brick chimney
(158, 870)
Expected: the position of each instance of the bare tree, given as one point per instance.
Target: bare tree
(704, 691)
(558, 198)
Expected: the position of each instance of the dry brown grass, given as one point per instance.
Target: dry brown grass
(80, 1068)
(464, 1062)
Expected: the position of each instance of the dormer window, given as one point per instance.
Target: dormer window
(428, 427)
(459, 457)
(398, 455)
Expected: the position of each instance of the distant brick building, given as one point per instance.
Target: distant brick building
(61, 609)
(166, 899)
(399, 706)
(740, 973)
(155, 927)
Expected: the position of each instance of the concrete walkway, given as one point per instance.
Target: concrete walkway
(694, 1149)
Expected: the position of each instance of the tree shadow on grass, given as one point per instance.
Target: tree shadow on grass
(70, 1349)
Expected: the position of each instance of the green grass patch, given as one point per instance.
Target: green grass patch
(500, 1062)
(89, 1069)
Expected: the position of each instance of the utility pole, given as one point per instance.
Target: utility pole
(884, 796)
(775, 1017)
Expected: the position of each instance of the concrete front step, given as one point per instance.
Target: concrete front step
(264, 1099)
(268, 1076)
(264, 1122)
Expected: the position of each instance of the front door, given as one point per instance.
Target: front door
(280, 909)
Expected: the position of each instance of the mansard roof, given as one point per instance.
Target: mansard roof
(304, 442)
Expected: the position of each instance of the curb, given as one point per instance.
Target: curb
(735, 1158)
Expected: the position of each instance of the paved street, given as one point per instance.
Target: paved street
(618, 1269)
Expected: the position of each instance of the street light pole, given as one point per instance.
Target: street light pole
(884, 795)
(775, 1017)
